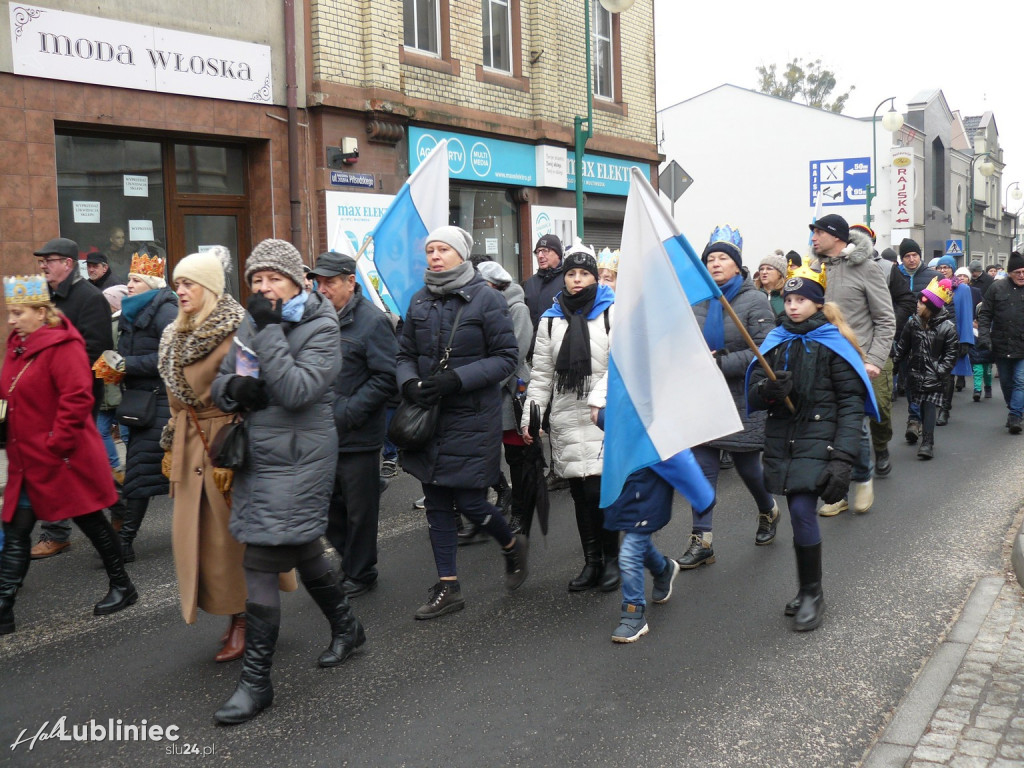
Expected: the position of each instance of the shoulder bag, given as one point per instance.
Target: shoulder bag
(229, 445)
(413, 425)
(137, 409)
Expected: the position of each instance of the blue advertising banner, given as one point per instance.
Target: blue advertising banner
(840, 182)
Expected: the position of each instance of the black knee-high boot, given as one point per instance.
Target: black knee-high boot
(611, 577)
(122, 592)
(812, 600)
(590, 538)
(346, 630)
(14, 562)
(255, 691)
(135, 512)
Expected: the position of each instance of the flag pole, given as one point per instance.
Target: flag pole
(753, 347)
(362, 248)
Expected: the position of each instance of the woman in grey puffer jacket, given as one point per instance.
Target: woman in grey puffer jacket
(280, 496)
(724, 262)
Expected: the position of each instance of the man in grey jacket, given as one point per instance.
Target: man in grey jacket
(361, 392)
(858, 287)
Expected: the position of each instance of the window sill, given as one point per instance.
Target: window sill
(426, 61)
(613, 107)
(502, 79)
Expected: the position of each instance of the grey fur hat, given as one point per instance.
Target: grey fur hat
(279, 256)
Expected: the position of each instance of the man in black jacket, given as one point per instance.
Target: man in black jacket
(1001, 329)
(540, 289)
(980, 279)
(86, 309)
(361, 394)
(100, 273)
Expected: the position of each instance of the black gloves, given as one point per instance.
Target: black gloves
(264, 312)
(426, 392)
(774, 391)
(834, 481)
(965, 349)
(447, 382)
(249, 393)
(414, 393)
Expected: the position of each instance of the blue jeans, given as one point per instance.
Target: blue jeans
(104, 422)
(748, 467)
(636, 552)
(864, 467)
(388, 451)
(1011, 381)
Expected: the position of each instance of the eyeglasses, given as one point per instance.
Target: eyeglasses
(1017, 273)
(50, 260)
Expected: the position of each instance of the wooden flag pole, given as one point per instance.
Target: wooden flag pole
(362, 248)
(750, 343)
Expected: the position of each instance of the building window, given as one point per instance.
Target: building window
(493, 218)
(604, 53)
(938, 174)
(423, 25)
(497, 34)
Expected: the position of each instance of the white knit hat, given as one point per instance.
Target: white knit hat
(206, 268)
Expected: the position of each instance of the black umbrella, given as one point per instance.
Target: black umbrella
(535, 486)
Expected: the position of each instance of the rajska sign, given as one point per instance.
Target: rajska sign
(87, 49)
(903, 190)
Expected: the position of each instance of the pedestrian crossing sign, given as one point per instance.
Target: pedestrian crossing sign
(954, 248)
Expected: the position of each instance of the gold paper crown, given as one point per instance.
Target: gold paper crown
(26, 289)
(942, 292)
(807, 274)
(608, 259)
(150, 266)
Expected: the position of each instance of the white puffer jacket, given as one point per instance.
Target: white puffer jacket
(576, 443)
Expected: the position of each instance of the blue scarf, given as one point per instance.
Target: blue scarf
(292, 309)
(604, 299)
(829, 336)
(714, 323)
(131, 306)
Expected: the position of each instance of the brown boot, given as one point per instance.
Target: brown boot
(234, 640)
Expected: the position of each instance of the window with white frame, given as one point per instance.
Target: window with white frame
(604, 60)
(423, 25)
(497, 34)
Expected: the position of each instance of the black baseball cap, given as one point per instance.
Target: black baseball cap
(59, 246)
(333, 263)
(834, 224)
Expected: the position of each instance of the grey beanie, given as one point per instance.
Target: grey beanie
(278, 256)
(456, 237)
(776, 262)
(494, 273)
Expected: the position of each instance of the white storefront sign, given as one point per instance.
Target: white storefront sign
(552, 167)
(903, 189)
(88, 49)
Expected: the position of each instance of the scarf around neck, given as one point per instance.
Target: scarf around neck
(131, 306)
(572, 366)
(294, 307)
(451, 280)
(714, 323)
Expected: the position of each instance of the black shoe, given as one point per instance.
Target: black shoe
(515, 522)
(556, 483)
(255, 691)
(516, 569)
(588, 578)
(122, 592)
(611, 576)
(812, 608)
(767, 523)
(472, 534)
(445, 597)
(943, 418)
(697, 554)
(988, 393)
(725, 461)
(13, 566)
(353, 588)
(505, 501)
(926, 451)
(913, 431)
(346, 631)
(1013, 424)
(960, 383)
(810, 602)
(977, 395)
(883, 464)
(794, 605)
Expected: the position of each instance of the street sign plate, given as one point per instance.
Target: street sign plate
(840, 182)
(673, 181)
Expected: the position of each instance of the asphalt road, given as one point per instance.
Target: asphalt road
(532, 678)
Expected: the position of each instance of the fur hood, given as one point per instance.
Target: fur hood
(859, 249)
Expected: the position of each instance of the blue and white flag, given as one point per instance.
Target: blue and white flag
(666, 393)
(400, 237)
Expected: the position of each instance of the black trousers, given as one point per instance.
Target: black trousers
(354, 513)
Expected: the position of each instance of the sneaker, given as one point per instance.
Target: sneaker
(420, 503)
(515, 563)
(697, 553)
(388, 469)
(977, 395)
(883, 464)
(863, 496)
(913, 431)
(767, 523)
(632, 624)
(445, 597)
(505, 501)
(1013, 424)
(831, 510)
(943, 418)
(48, 548)
(725, 460)
(662, 590)
(988, 393)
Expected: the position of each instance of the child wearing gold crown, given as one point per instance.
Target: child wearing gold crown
(931, 342)
(816, 405)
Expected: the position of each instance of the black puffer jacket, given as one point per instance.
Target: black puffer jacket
(932, 348)
(754, 311)
(1001, 320)
(465, 452)
(829, 399)
(139, 342)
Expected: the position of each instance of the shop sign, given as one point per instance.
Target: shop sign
(476, 158)
(88, 49)
(552, 166)
(903, 191)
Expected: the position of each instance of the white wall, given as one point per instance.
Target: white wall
(749, 156)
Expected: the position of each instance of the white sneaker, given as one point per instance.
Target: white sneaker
(863, 496)
(830, 510)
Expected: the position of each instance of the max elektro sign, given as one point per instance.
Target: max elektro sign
(87, 49)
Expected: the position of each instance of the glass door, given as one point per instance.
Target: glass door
(203, 229)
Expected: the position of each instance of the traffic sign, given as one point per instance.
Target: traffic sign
(673, 181)
(954, 248)
(840, 182)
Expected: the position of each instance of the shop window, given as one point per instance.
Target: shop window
(497, 34)
(603, 50)
(209, 170)
(492, 217)
(423, 25)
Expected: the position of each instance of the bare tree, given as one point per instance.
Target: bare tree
(808, 83)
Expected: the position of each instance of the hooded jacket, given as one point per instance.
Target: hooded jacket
(857, 285)
(1001, 320)
(932, 347)
(523, 328)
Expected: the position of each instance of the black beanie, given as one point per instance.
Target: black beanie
(1015, 262)
(909, 246)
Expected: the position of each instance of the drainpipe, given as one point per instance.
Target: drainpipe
(291, 88)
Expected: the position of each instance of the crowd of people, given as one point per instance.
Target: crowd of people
(315, 382)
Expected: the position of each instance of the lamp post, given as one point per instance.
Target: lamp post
(1018, 195)
(580, 134)
(892, 121)
(986, 169)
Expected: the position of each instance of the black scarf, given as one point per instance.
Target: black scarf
(573, 363)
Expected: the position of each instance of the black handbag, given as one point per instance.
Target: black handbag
(230, 444)
(413, 425)
(137, 409)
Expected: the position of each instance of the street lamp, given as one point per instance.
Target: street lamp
(986, 169)
(892, 121)
(581, 135)
(1017, 195)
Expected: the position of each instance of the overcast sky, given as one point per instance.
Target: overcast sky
(883, 48)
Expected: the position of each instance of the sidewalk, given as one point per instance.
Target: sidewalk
(966, 710)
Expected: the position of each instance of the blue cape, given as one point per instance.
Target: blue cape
(829, 336)
(604, 299)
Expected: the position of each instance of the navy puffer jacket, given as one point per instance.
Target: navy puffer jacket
(465, 452)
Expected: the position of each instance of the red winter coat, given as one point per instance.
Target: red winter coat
(53, 447)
